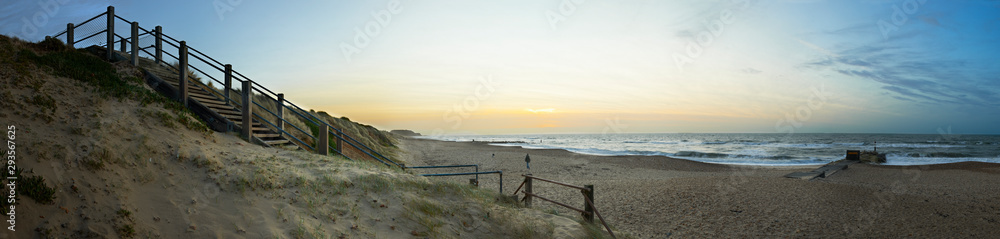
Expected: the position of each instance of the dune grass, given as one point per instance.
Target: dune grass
(53, 57)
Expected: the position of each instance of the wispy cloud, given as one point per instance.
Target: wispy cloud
(917, 75)
(817, 48)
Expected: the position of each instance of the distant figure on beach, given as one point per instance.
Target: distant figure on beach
(494, 155)
(527, 161)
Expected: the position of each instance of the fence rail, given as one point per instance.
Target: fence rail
(249, 91)
(476, 166)
(588, 198)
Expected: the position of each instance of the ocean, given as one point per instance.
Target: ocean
(761, 149)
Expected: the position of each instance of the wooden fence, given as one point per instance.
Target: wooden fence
(588, 211)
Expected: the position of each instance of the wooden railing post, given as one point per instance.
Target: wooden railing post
(229, 82)
(182, 81)
(135, 43)
(159, 44)
(527, 190)
(323, 144)
(247, 131)
(280, 111)
(111, 32)
(69, 35)
(501, 180)
(122, 45)
(589, 208)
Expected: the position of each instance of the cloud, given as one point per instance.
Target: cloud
(817, 48)
(857, 29)
(912, 71)
(917, 76)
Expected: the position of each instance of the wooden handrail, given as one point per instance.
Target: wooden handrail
(587, 191)
(559, 183)
(230, 74)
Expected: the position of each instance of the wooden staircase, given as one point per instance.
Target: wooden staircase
(223, 116)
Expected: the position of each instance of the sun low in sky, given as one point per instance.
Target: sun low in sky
(564, 66)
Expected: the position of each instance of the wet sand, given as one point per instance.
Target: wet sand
(658, 197)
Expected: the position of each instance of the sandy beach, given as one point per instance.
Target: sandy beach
(659, 197)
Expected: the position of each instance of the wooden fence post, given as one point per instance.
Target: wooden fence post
(323, 144)
(122, 45)
(527, 190)
(182, 81)
(135, 43)
(229, 83)
(247, 131)
(587, 206)
(501, 180)
(159, 44)
(69, 35)
(280, 112)
(111, 32)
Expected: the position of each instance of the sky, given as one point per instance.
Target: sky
(595, 66)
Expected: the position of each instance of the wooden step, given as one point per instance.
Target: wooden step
(254, 124)
(193, 90)
(207, 103)
(268, 135)
(203, 98)
(203, 95)
(256, 128)
(233, 118)
(225, 111)
(219, 105)
(276, 142)
(172, 80)
(190, 86)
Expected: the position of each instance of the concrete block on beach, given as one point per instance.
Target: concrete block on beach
(804, 175)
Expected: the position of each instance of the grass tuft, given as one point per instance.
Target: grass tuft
(35, 188)
(124, 213)
(127, 231)
(374, 182)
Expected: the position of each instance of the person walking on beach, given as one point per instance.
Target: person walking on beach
(527, 161)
